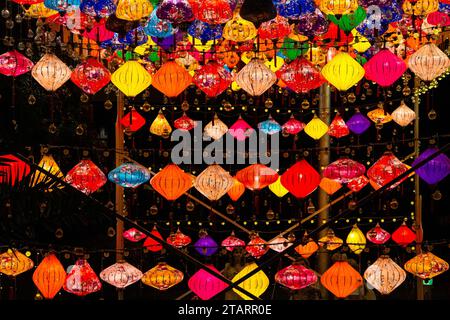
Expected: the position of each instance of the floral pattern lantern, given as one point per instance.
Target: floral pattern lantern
(277, 28)
(133, 10)
(385, 275)
(330, 241)
(255, 78)
(50, 72)
(434, 170)
(257, 247)
(278, 189)
(257, 176)
(212, 11)
(378, 235)
(13, 263)
(175, 11)
(129, 175)
(386, 169)
(184, 123)
(205, 285)
(98, 8)
(212, 79)
(206, 245)
(300, 75)
(316, 128)
(171, 79)
(341, 279)
(237, 190)
(131, 78)
(162, 277)
(329, 186)
(426, 265)
(86, 177)
(292, 126)
(90, 76)
(403, 235)
(14, 64)
(178, 239)
(301, 179)
(239, 30)
(213, 182)
(279, 244)
(358, 123)
(356, 240)
(133, 235)
(49, 276)
(82, 280)
(429, 62)
(171, 182)
(215, 128)
(132, 121)
(296, 277)
(121, 274)
(384, 68)
(357, 184)
(231, 242)
(343, 71)
(403, 115)
(338, 128)
(160, 126)
(256, 284)
(241, 130)
(152, 245)
(344, 170)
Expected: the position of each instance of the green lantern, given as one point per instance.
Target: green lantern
(292, 49)
(349, 21)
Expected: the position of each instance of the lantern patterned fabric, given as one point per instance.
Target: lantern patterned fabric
(356, 240)
(358, 123)
(171, 182)
(50, 72)
(121, 274)
(132, 121)
(215, 128)
(403, 235)
(343, 71)
(160, 126)
(49, 276)
(434, 170)
(255, 78)
(171, 79)
(131, 78)
(344, 170)
(257, 176)
(231, 242)
(133, 235)
(278, 189)
(330, 241)
(129, 175)
(82, 280)
(152, 245)
(237, 190)
(90, 76)
(257, 284)
(213, 182)
(387, 168)
(316, 128)
(300, 75)
(403, 115)
(338, 128)
(14, 64)
(301, 179)
(385, 275)
(378, 235)
(257, 247)
(426, 265)
(296, 277)
(179, 239)
(212, 79)
(205, 285)
(86, 177)
(429, 62)
(329, 186)
(133, 10)
(13, 263)
(384, 68)
(162, 277)
(341, 279)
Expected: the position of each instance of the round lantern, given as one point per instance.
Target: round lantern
(171, 79)
(341, 279)
(338, 128)
(329, 186)
(295, 277)
(97, 8)
(178, 239)
(255, 78)
(434, 170)
(132, 121)
(384, 68)
(338, 7)
(257, 247)
(205, 285)
(301, 179)
(241, 130)
(160, 126)
(14, 64)
(316, 128)
(386, 169)
(129, 175)
(308, 248)
(39, 10)
(278, 189)
(292, 126)
(133, 235)
(171, 182)
(358, 123)
(378, 235)
(237, 190)
(213, 182)
(343, 71)
(420, 7)
(133, 10)
(48, 164)
(403, 235)
(239, 30)
(49, 276)
(121, 274)
(50, 72)
(90, 76)
(162, 276)
(357, 184)
(175, 11)
(403, 115)
(356, 240)
(158, 27)
(300, 75)
(215, 128)
(429, 62)
(152, 245)
(344, 170)
(212, 11)
(279, 244)
(277, 28)
(426, 265)
(184, 123)
(257, 176)
(257, 284)
(13, 263)
(206, 245)
(270, 126)
(385, 275)
(330, 241)
(231, 242)
(86, 177)
(131, 78)
(82, 280)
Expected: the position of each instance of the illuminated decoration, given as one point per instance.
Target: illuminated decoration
(171, 182)
(301, 179)
(356, 240)
(48, 164)
(292, 126)
(278, 189)
(358, 123)
(277, 28)
(28, 2)
(341, 279)
(171, 79)
(330, 241)
(294, 8)
(384, 68)
(14, 64)
(184, 123)
(121, 274)
(357, 184)
(82, 280)
(12, 169)
(241, 130)
(338, 7)
(49, 276)
(50, 72)
(213, 182)
(133, 235)
(98, 8)
(438, 18)
(206, 245)
(215, 128)
(59, 5)
(359, 42)
(386, 169)
(86, 177)
(312, 24)
(429, 62)
(160, 126)
(152, 245)
(350, 21)
(237, 190)
(279, 244)
(255, 78)
(385, 275)
(270, 126)
(203, 32)
(338, 128)
(178, 239)
(13, 263)
(99, 32)
(378, 235)
(212, 79)
(212, 11)
(329, 186)
(257, 176)
(307, 249)
(420, 7)
(239, 30)
(343, 71)
(39, 10)
(316, 128)
(295, 277)
(426, 265)
(257, 247)
(403, 115)
(258, 11)
(129, 175)
(131, 78)
(403, 235)
(159, 28)
(175, 11)
(133, 121)
(257, 284)
(300, 75)
(231, 242)
(133, 10)
(162, 277)
(434, 170)
(205, 285)
(344, 170)
(90, 76)
(379, 115)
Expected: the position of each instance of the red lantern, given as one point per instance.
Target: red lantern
(386, 169)
(277, 28)
(90, 76)
(205, 285)
(212, 79)
(338, 128)
(438, 18)
(212, 11)
(133, 235)
(378, 235)
(300, 75)
(384, 68)
(344, 170)
(301, 179)
(86, 177)
(12, 169)
(232, 242)
(171, 182)
(334, 37)
(82, 280)
(151, 244)
(257, 246)
(14, 64)
(293, 126)
(184, 123)
(403, 235)
(296, 277)
(357, 184)
(27, 2)
(178, 239)
(132, 121)
(257, 176)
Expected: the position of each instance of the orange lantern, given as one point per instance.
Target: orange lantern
(171, 182)
(330, 241)
(426, 265)
(162, 276)
(171, 79)
(49, 276)
(213, 182)
(341, 279)
(13, 263)
(237, 190)
(257, 176)
(329, 186)
(306, 250)
(379, 115)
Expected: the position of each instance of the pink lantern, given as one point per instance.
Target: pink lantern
(205, 285)
(293, 126)
(344, 170)
(133, 235)
(231, 242)
(296, 277)
(98, 32)
(14, 64)
(384, 68)
(357, 184)
(121, 274)
(378, 235)
(241, 130)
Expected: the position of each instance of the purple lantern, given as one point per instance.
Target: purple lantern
(176, 11)
(312, 24)
(358, 123)
(170, 42)
(434, 170)
(206, 245)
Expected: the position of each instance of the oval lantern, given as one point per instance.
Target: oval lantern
(129, 175)
(292, 126)
(403, 235)
(86, 177)
(356, 240)
(90, 76)
(429, 62)
(162, 277)
(50, 72)
(257, 176)
(296, 277)
(343, 71)
(237, 190)
(213, 182)
(132, 10)
(131, 78)
(308, 248)
(434, 170)
(171, 79)
(121, 274)
(175, 11)
(384, 68)
(330, 241)
(300, 75)
(301, 179)
(13, 263)
(152, 245)
(205, 285)
(257, 247)
(14, 64)
(344, 170)
(385, 275)
(255, 78)
(239, 30)
(378, 235)
(338, 7)
(341, 279)
(231, 242)
(316, 128)
(206, 245)
(49, 276)
(426, 265)
(82, 280)
(257, 284)
(171, 182)
(133, 235)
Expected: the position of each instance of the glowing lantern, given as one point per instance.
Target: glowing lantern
(329, 186)
(12, 169)
(205, 285)
(257, 284)
(175, 11)
(357, 184)
(212, 11)
(13, 263)
(129, 175)
(160, 126)
(316, 128)
(231, 242)
(385, 275)
(270, 126)
(82, 280)
(292, 126)
(152, 245)
(39, 10)
(212, 79)
(378, 235)
(356, 240)
(344, 170)
(343, 71)
(213, 182)
(131, 78)
(96, 8)
(300, 75)
(341, 279)
(237, 190)
(438, 18)
(241, 130)
(132, 121)
(308, 248)
(90, 76)
(434, 170)
(358, 123)
(403, 115)
(330, 241)
(48, 164)
(278, 189)
(338, 128)
(379, 115)
(279, 244)
(239, 30)
(429, 62)
(184, 123)
(171, 79)
(158, 27)
(359, 42)
(171, 182)
(133, 235)
(301, 179)
(420, 7)
(257, 176)
(403, 235)
(162, 276)
(215, 128)
(206, 245)
(121, 274)
(255, 78)
(386, 169)
(384, 68)
(257, 247)
(50, 72)
(296, 277)
(277, 28)
(338, 7)
(14, 64)
(178, 239)
(133, 10)
(426, 265)
(49, 276)
(86, 177)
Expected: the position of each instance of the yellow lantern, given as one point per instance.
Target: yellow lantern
(13, 263)
(216, 128)
(39, 10)
(257, 284)
(316, 56)
(403, 115)
(48, 164)
(330, 241)
(420, 7)
(160, 126)
(235, 86)
(140, 50)
(275, 63)
(200, 45)
(239, 30)
(133, 10)
(359, 42)
(316, 128)
(338, 7)
(214, 182)
(330, 186)
(385, 275)
(255, 78)
(162, 277)
(131, 78)
(278, 189)
(50, 72)
(356, 240)
(426, 265)
(379, 115)
(343, 71)
(429, 62)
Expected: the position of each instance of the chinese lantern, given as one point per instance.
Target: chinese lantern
(403, 115)
(212, 11)
(358, 123)
(278, 189)
(239, 30)
(82, 280)
(90, 76)
(300, 75)
(329, 186)
(255, 78)
(277, 28)
(132, 121)
(60, 5)
(257, 176)
(270, 126)
(429, 62)
(434, 170)
(39, 10)
(213, 182)
(257, 284)
(212, 79)
(133, 10)
(330, 241)
(97, 8)
(175, 11)
(14, 64)
(378, 235)
(133, 235)
(308, 248)
(184, 123)
(403, 235)
(257, 247)
(343, 71)
(338, 7)
(13, 263)
(48, 164)
(385, 275)
(129, 175)
(86, 177)
(316, 128)
(12, 169)
(420, 7)
(296, 277)
(241, 130)
(237, 190)
(359, 42)
(160, 126)
(356, 240)
(206, 245)
(258, 11)
(27, 2)
(292, 126)
(438, 18)
(379, 115)
(344, 170)
(50, 72)
(205, 285)
(49, 276)
(341, 279)
(231, 242)
(152, 245)
(131, 78)
(178, 239)
(121, 274)
(159, 28)
(426, 265)
(301, 179)
(386, 169)
(162, 276)
(279, 244)
(171, 79)
(215, 128)
(171, 182)
(384, 68)
(338, 128)
(358, 183)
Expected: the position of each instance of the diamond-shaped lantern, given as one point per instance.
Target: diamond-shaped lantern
(213, 182)
(237, 190)
(292, 126)
(50, 72)
(300, 179)
(205, 285)
(184, 123)
(270, 126)
(121, 274)
(386, 169)
(49, 276)
(82, 280)
(179, 239)
(13, 263)
(212, 79)
(338, 128)
(215, 128)
(231, 242)
(300, 75)
(426, 265)
(358, 123)
(341, 279)
(129, 175)
(255, 78)
(257, 246)
(90, 76)
(206, 245)
(403, 115)
(316, 128)
(241, 130)
(256, 284)
(86, 177)
(162, 276)
(403, 235)
(131, 78)
(378, 235)
(385, 275)
(171, 79)
(278, 189)
(343, 71)
(14, 64)
(434, 170)
(132, 121)
(429, 62)
(171, 182)
(152, 245)
(384, 68)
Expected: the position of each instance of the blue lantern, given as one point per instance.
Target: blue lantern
(98, 8)
(129, 175)
(113, 43)
(293, 9)
(204, 31)
(269, 126)
(134, 37)
(158, 28)
(58, 5)
(379, 18)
